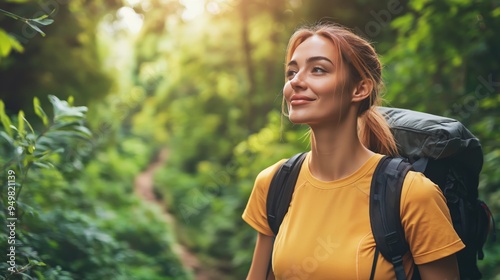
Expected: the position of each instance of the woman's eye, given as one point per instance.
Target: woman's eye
(290, 74)
(318, 70)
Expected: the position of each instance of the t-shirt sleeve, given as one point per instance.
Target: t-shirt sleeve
(255, 212)
(427, 221)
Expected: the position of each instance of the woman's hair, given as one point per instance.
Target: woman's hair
(363, 64)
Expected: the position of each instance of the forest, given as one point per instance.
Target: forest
(132, 130)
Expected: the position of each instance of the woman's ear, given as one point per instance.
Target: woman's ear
(362, 90)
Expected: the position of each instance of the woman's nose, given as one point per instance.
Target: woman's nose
(297, 82)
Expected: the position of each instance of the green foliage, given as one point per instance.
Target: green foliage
(436, 65)
(8, 42)
(67, 227)
(27, 148)
(452, 69)
(34, 23)
(66, 62)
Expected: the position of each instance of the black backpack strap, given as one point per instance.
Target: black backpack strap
(280, 194)
(385, 220)
(281, 190)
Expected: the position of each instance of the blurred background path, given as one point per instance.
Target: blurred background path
(144, 188)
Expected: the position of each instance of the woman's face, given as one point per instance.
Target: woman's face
(313, 92)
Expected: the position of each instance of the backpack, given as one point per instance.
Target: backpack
(445, 152)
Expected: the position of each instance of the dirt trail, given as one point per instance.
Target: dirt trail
(144, 188)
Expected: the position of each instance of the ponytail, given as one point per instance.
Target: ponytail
(375, 133)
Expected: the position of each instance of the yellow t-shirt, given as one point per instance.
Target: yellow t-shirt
(326, 233)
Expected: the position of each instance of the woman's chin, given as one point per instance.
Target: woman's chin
(295, 119)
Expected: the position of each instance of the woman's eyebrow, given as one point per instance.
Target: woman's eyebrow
(318, 58)
(309, 60)
(292, 63)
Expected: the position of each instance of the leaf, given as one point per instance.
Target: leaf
(25, 275)
(37, 263)
(46, 165)
(14, 128)
(5, 120)
(403, 23)
(41, 17)
(15, 44)
(29, 125)
(7, 137)
(418, 5)
(28, 22)
(5, 45)
(20, 123)
(40, 153)
(46, 21)
(64, 110)
(65, 125)
(60, 135)
(26, 161)
(40, 112)
(84, 131)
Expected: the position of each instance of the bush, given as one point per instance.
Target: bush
(76, 216)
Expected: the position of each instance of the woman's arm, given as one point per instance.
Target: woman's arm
(261, 258)
(443, 269)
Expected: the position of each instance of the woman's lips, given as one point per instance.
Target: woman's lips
(300, 100)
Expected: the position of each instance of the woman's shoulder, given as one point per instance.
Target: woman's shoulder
(426, 220)
(419, 189)
(265, 176)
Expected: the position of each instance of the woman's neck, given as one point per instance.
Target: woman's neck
(336, 153)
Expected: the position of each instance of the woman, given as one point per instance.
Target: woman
(332, 84)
